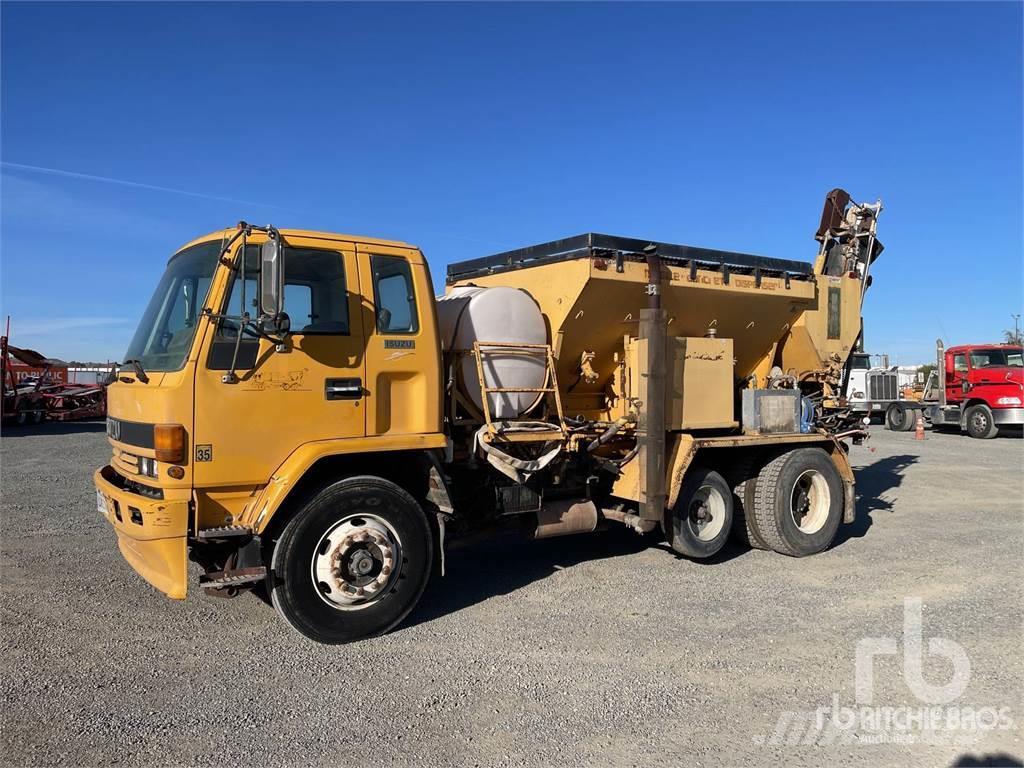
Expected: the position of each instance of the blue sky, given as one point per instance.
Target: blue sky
(468, 129)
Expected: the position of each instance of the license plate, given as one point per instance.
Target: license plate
(101, 503)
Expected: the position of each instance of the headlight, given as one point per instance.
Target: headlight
(859, 395)
(1008, 401)
(147, 467)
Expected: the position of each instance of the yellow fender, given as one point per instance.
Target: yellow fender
(261, 510)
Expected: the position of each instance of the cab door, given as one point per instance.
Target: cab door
(403, 358)
(311, 390)
(957, 373)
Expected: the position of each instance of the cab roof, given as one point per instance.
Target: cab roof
(981, 345)
(229, 231)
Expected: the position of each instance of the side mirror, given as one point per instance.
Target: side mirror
(271, 284)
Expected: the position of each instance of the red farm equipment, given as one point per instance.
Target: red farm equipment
(35, 388)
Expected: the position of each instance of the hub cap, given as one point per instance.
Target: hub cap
(810, 501)
(706, 513)
(356, 562)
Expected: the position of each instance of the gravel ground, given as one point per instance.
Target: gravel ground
(603, 649)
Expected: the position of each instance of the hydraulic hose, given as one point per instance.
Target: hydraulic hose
(609, 433)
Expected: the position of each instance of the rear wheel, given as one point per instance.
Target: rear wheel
(799, 502)
(702, 515)
(353, 562)
(980, 423)
(899, 418)
(744, 485)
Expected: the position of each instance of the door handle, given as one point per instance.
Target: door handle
(343, 389)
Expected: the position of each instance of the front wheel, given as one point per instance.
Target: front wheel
(980, 423)
(353, 562)
(899, 418)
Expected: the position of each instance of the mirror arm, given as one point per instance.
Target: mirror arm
(231, 377)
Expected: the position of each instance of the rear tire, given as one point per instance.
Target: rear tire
(980, 423)
(702, 515)
(899, 418)
(353, 562)
(744, 484)
(799, 502)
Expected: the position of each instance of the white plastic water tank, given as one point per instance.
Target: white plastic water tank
(467, 314)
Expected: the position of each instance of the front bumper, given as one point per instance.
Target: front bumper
(151, 533)
(1007, 417)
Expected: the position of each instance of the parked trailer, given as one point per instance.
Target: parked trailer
(73, 402)
(329, 445)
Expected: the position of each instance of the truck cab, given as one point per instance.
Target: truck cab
(873, 387)
(223, 405)
(982, 389)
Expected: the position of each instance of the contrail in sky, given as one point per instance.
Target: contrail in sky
(127, 183)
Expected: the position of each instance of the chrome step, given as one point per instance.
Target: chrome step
(223, 532)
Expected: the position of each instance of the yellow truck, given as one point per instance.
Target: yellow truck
(298, 413)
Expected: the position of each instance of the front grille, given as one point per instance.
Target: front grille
(882, 386)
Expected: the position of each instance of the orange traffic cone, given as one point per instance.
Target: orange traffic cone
(919, 427)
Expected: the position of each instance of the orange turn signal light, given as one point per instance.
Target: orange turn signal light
(169, 442)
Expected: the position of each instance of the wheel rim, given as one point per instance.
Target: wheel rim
(706, 513)
(979, 421)
(356, 562)
(810, 501)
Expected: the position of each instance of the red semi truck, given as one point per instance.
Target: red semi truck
(978, 388)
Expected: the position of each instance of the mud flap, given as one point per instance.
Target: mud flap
(850, 507)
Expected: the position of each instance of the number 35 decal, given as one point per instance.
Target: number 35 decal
(204, 453)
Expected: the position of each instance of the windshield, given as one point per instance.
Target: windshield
(997, 358)
(164, 335)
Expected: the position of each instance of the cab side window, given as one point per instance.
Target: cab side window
(315, 294)
(315, 298)
(960, 363)
(393, 295)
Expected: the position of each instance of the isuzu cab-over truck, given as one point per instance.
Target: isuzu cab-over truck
(297, 412)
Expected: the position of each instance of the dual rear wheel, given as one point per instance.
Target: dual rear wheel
(791, 502)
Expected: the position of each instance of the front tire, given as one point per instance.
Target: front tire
(353, 562)
(980, 423)
(899, 418)
(702, 515)
(799, 502)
